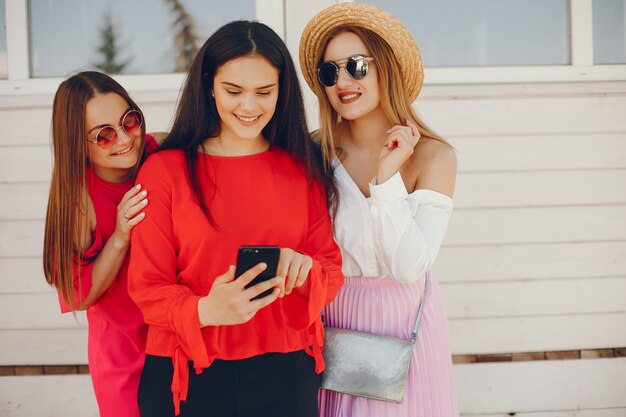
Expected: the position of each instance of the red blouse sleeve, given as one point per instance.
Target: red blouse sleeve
(82, 275)
(325, 277)
(152, 279)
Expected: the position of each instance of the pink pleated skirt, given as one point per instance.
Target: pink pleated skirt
(387, 307)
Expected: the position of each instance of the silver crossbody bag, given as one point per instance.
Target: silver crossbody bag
(369, 365)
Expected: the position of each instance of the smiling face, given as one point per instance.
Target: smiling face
(351, 99)
(245, 91)
(114, 164)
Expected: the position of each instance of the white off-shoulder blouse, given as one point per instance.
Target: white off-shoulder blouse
(392, 233)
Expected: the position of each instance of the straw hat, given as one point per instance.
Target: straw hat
(369, 17)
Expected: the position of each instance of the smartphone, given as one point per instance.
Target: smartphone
(249, 256)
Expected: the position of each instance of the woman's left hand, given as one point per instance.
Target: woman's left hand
(295, 266)
(398, 149)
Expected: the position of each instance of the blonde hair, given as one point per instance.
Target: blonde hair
(394, 100)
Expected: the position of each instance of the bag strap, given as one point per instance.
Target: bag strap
(420, 310)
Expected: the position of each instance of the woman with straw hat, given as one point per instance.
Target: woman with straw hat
(396, 179)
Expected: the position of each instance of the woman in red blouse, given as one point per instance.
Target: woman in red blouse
(238, 168)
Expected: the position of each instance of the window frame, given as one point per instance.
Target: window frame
(581, 68)
(19, 82)
(273, 13)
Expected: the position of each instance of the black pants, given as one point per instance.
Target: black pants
(269, 385)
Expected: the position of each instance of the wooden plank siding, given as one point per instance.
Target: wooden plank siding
(525, 387)
(497, 390)
(533, 260)
(47, 396)
(54, 346)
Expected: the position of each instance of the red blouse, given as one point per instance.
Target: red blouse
(261, 199)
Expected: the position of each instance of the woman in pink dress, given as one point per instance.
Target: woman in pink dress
(99, 142)
(396, 179)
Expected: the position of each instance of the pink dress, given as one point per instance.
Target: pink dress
(116, 333)
(388, 242)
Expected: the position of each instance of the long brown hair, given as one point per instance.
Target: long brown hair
(67, 203)
(394, 99)
(197, 118)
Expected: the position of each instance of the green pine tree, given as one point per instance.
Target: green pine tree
(109, 51)
(186, 39)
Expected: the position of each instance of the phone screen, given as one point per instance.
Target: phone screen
(249, 256)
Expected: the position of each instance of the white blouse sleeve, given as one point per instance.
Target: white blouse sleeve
(408, 228)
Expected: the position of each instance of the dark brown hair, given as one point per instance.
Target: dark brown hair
(197, 119)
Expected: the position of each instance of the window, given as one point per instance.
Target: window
(123, 37)
(3, 42)
(462, 41)
(503, 41)
(468, 33)
(609, 34)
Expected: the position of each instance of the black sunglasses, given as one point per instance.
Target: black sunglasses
(356, 66)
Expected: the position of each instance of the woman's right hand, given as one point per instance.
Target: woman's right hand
(129, 212)
(229, 302)
(398, 148)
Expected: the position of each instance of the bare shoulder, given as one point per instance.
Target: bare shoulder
(159, 136)
(435, 165)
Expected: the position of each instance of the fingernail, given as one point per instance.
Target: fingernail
(142, 214)
(145, 201)
(144, 192)
(138, 186)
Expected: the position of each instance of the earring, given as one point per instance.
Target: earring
(212, 94)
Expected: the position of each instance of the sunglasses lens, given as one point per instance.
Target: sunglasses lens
(327, 74)
(106, 137)
(357, 68)
(132, 121)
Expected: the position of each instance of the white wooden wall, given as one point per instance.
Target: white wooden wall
(534, 257)
(533, 260)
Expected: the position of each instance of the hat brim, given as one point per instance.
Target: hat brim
(366, 16)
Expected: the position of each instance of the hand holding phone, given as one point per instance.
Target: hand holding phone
(230, 302)
(249, 256)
